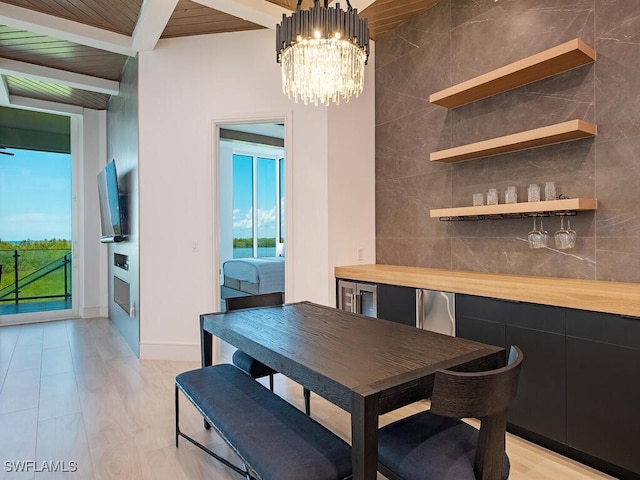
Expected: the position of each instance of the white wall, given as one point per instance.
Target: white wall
(352, 232)
(93, 277)
(186, 85)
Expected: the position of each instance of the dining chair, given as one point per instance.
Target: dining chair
(436, 444)
(245, 362)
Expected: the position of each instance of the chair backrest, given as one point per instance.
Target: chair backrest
(476, 394)
(251, 301)
(486, 395)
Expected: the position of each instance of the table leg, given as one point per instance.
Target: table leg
(206, 345)
(206, 352)
(364, 437)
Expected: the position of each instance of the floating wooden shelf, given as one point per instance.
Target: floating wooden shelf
(558, 59)
(548, 207)
(558, 133)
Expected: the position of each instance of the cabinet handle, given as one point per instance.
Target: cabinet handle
(357, 303)
(419, 308)
(353, 302)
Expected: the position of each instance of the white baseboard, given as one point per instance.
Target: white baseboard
(170, 351)
(95, 312)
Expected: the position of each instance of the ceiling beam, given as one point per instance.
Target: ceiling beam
(61, 77)
(44, 106)
(262, 13)
(63, 29)
(153, 18)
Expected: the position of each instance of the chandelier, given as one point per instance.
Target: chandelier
(323, 52)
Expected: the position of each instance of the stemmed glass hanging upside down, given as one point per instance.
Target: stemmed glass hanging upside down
(565, 238)
(538, 238)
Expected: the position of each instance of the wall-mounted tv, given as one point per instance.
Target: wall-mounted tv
(112, 205)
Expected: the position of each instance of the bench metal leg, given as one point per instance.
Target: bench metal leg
(248, 476)
(307, 401)
(242, 471)
(271, 382)
(177, 416)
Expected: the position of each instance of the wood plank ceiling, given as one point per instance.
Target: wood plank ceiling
(33, 60)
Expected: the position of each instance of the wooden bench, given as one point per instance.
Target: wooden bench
(274, 440)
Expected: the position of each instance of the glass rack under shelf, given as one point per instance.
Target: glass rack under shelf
(565, 206)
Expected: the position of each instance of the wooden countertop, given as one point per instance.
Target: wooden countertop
(610, 297)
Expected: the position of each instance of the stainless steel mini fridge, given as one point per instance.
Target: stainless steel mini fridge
(358, 297)
(436, 311)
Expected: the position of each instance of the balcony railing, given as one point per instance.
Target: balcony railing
(35, 275)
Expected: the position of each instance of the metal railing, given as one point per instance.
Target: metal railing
(34, 275)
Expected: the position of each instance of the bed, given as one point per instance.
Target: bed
(251, 276)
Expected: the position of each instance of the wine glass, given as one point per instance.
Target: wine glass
(534, 235)
(544, 236)
(572, 234)
(562, 237)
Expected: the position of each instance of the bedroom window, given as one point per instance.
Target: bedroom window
(258, 201)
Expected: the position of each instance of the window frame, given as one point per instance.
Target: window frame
(257, 152)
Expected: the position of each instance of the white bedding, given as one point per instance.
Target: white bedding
(267, 272)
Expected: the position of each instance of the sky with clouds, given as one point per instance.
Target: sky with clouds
(243, 209)
(35, 195)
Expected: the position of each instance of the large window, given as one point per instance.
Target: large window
(35, 231)
(258, 200)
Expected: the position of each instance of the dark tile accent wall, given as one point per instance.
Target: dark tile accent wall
(122, 146)
(460, 39)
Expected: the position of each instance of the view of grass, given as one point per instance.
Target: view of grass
(34, 258)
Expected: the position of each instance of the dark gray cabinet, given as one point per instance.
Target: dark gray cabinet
(579, 388)
(540, 405)
(480, 319)
(603, 386)
(397, 304)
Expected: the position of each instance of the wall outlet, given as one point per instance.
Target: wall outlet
(132, 310)
(360, 254)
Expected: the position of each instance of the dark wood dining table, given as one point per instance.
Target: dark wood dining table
(366, 366)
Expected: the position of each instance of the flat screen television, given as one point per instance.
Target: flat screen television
(112, 205)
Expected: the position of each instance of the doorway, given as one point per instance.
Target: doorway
(251, 208)
(36, 228)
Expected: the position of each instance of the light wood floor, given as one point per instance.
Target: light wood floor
(72, 391)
